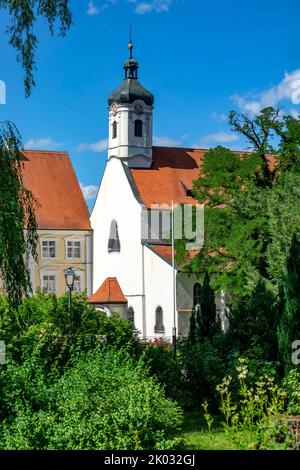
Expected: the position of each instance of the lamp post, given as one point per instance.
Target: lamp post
(70, 279)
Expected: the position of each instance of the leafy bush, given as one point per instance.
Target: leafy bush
(291, 385)
(105, 401)
(202, 366)
(42, 325)
(159, 359)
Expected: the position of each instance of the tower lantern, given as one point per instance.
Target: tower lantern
(130, 118)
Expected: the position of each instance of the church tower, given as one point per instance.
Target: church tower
(130, 119)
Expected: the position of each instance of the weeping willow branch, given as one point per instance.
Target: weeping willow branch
(18, 227)
(24, 15)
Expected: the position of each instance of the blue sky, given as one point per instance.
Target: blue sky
(199, 59)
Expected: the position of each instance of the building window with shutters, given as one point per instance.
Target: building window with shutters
(138, 128)
(114, 130)
(159, 324)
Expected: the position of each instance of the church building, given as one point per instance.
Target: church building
(133, 273)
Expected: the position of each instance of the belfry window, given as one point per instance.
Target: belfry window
(114, 241)
(138, 128)
(197, 294)
(114, 130)
(159, 323)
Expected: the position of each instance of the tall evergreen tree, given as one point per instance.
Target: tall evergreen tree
(193, 327)
(208, 323)
(289, 327)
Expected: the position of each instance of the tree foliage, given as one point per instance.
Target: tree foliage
(289, 326)
(208, 321)
(77, 382)
(18, 236)
(24, 15)
(249, 202)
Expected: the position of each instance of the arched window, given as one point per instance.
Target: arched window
(159, 324)
(197, 294)
(130, 315)
(114, 241)
(114, 130)
(138, 128)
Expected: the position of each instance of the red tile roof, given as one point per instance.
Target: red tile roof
(109, 292)
(171, 174)
(165, 252)
(51, 178)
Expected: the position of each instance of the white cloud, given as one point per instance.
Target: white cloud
(100, 146)
(92, 9)
(89, 191)
(43, 143)
(167, 142)
(141, 7)
(219, 117)
(155, 6)
(216, 139)
(295, 113)
(287, 89)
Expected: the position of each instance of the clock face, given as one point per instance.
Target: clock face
(138, 109)
(114, 109)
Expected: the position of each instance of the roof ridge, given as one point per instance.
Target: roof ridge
(195, 148)
(65, 152)
(109, 281)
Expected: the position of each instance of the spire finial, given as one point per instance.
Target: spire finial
(130, 45)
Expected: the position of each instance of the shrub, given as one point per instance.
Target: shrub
(106, 401)
(202, 366)
(42, 326)
(159, 359)
(291, 385)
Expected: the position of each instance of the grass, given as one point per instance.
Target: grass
(196, 436)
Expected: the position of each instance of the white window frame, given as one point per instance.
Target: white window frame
(48, 239)
(73, 239)
(78, 274)
(48, 272)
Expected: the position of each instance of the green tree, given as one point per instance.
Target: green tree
(289, 327)
(18, 236)
(208, 322)
(253, 322)
(17, 204)
(193, 327)
(246, 197)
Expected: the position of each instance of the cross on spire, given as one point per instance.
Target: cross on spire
(130, 45)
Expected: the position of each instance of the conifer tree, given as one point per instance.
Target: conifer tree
(193, 328)
(207, 321)
(289, 327)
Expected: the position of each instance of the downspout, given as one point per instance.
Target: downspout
(143, 294)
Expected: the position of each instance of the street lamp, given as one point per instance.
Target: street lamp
(70, 279)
